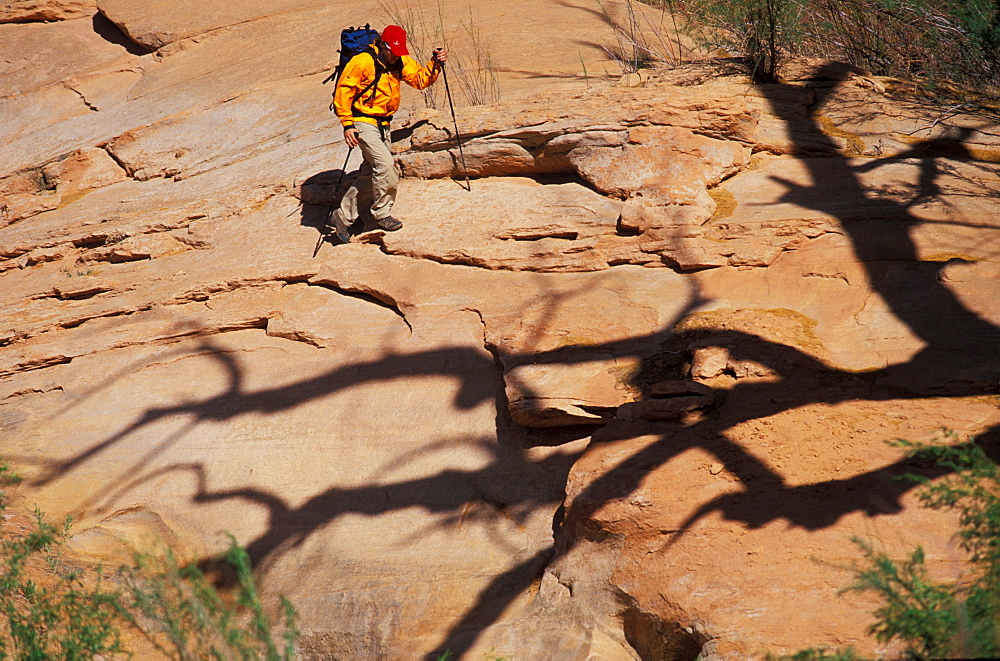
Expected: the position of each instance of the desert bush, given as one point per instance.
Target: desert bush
(50, 611)
(938, 41)
(57, 617)
(941, 620)
(763, 32)
(164, 599)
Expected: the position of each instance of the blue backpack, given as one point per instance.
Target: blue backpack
(352, 41)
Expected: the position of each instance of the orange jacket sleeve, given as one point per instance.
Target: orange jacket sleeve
(358, 73)
(419, 77)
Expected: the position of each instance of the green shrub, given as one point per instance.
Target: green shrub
(938, 41)
(762, 31)
(56, 618)
(916, 610)
(49, 611)
(939, 620)
(164, 597)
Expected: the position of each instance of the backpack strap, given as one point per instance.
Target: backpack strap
(373, 86)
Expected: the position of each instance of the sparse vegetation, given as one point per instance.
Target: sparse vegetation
(46, 611)
(822, 654)
(641, 41)
(940, 620)
(938, 41)
(470, 59)
(77, 274)
(50, 611)
(762, 31)
(115, 236)
(164, 599)
(941, 43)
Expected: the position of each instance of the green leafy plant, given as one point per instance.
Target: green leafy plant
(49, 610)
(940, 620)
(46, 610)
(948, 620)
(166, 599)
(916, 610)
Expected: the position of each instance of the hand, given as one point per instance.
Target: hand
(440, 56)
(351, 137)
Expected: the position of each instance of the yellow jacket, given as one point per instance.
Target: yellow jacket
(360, 72)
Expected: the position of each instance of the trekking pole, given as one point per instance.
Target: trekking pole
(329, 214)
(458, 136)
(343, 171)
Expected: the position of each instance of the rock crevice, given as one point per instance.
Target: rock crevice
(600, 405)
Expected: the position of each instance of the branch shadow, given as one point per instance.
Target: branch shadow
(960, 358)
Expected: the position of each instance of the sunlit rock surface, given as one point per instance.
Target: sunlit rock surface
(627, 397)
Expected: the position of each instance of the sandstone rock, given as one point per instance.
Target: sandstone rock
(709, 362)
(559, 625)
(532, 226)
(18, 206)
(684, 541)
(594, 386)
(155, 25)
(82, 288)
(166, 313)
(659, 409)
(59, 182)
(136, 248)
(19, 11)
(123, 534)
(102, 90)
(37, 257)
(636, 79)
(36, 55)
(668, 400)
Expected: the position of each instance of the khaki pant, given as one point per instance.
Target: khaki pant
(376, 184)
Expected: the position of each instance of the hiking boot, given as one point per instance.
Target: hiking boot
(340, 229)
(389, 224)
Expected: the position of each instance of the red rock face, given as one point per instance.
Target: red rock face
(25, 11)
(627, 397)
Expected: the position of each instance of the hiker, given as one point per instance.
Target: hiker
(366, 96)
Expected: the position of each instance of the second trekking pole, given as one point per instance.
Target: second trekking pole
(336, 190)
(329, 215)
(458, 136)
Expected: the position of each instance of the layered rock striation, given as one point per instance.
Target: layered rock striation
(626, 397)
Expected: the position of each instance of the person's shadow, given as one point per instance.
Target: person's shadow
(320, 194)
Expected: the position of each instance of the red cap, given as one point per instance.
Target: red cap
(395, 37)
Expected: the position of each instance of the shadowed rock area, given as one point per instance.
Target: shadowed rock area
(628, 397)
